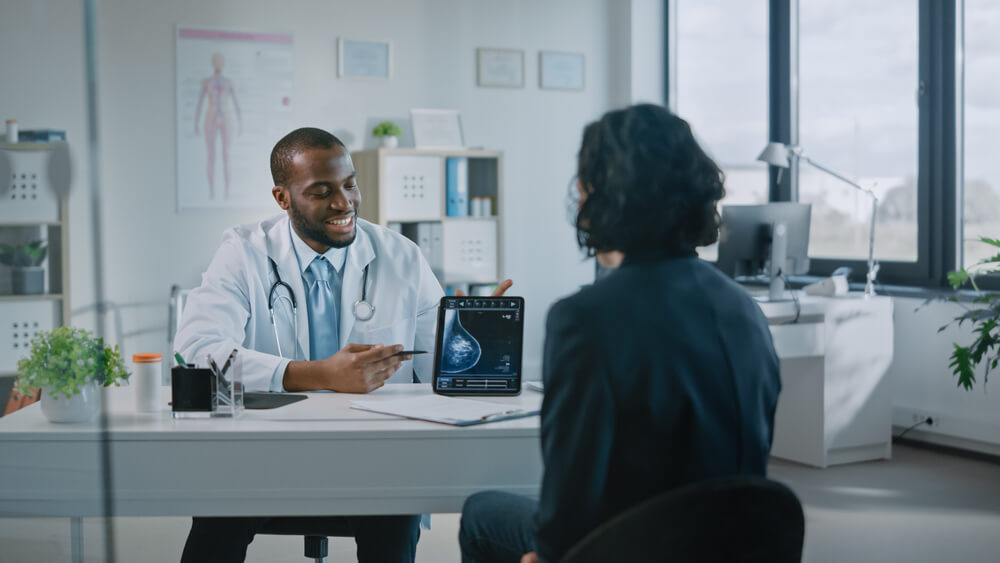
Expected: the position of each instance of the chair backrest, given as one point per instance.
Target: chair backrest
(732, 519)
(175, 312)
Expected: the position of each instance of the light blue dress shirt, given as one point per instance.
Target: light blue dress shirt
(337, 257)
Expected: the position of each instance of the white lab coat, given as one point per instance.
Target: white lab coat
(230, 308)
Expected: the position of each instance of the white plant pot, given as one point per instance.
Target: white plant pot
(82, 407)
(388, 141)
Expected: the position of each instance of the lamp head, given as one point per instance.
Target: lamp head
(776, 154)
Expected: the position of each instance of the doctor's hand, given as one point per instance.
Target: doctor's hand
(363, 368)
(502, 288)
(356, 368)
(530, 557)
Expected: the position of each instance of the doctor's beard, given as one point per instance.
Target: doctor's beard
(316, 230)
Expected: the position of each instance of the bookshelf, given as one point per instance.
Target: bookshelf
(417, 193)
(30, 210)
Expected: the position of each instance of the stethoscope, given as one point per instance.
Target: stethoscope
(363, 310)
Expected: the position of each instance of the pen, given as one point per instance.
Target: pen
(219, 380)
(499, 414)
(180, 359)
(410, 352)
(213, 365)
(229, 361)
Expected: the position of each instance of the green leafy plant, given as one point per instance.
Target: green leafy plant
(985, 318)
(387, 128)
(64, 359)
(24, 255)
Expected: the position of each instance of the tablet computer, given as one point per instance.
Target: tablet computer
(479, 346)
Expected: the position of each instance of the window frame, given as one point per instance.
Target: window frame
(939, 109)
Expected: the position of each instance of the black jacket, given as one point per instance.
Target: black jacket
(660, 374)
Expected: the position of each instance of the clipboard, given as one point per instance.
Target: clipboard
(446, 410)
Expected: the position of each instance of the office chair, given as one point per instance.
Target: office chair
(316, 546)
(734, 519)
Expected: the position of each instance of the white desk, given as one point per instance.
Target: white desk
(319, 457)
(834, 405)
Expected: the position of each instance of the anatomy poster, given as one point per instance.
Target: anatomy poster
(234, 101)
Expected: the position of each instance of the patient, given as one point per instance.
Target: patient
(661, 373)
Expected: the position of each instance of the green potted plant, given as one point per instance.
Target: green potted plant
(25, 261)
(388, 134)
(985, 318)
(70, 365)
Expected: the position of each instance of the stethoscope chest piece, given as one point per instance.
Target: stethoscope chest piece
(363, 310)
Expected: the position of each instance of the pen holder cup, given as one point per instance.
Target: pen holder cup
(192, 391)
(227, 401)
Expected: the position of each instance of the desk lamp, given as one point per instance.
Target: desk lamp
(781, 155)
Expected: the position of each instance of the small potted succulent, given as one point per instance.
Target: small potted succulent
(70, 365)
(388, 134)
(25, 261)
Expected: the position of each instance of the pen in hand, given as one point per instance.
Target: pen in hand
(410, 352)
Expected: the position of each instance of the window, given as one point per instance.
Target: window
(870, 90)
(858, 115)
(722, 90)
(981, 205)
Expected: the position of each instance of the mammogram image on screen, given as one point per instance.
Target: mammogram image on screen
(479, 342)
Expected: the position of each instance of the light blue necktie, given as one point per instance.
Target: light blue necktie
(324, 340)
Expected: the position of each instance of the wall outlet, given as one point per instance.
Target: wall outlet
(918, 417)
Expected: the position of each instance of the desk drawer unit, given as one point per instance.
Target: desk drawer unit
(834, 404)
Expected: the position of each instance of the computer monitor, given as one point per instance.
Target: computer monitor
(747, 232)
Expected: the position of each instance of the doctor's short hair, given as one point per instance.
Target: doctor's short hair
(297, 141)
(649, 187)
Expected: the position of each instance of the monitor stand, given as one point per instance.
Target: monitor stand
(779, 255)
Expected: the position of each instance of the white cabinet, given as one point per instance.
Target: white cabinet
(451, 212)
(470, 250)
(25, 197)
(30, 210)
(413, 186)
(835, 404)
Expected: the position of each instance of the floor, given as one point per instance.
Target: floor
(922, 506)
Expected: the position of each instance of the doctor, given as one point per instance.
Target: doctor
(315, 299)
(374, 293)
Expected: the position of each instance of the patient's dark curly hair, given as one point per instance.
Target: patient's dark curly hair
(649, 187)
(297, 141)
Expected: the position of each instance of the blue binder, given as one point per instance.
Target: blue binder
(457, 186)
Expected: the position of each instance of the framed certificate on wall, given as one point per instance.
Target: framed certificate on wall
(364, 59)
(560, 71)
(500, 68)
(437, 129)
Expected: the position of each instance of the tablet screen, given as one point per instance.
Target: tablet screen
(479, 346)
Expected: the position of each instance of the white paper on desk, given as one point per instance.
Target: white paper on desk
(447, 410)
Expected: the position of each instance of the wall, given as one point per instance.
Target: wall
(923, 384)
(149, 246)
(647, 54)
